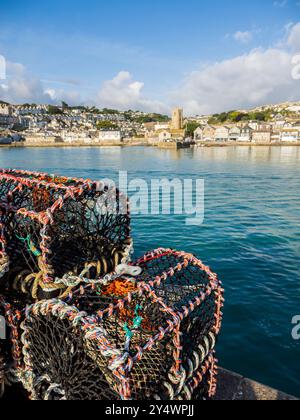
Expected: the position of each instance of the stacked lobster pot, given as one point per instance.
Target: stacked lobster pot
(53, 228)
(53, 232)
(85, 322)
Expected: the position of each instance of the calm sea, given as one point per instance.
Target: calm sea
(250, 237)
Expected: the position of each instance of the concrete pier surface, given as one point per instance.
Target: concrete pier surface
(234, 387)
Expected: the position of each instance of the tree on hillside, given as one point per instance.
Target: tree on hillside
(149, 118)
(54, 110)
(109, 111)
(107, 125)
(64, 105)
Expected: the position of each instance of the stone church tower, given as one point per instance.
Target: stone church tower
(177, 119)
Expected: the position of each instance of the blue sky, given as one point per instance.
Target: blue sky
(76, 50)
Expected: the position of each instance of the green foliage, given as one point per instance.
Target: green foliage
(107, 111)
(54, 110)
(236, 116)
(149, 118)
(27, 105)
(107, 125)
(128, 116)
(190, 127)
(80, 108)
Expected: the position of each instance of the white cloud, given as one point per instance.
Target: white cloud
(243, 37)
(20, 86)
(259, 77)
(124, 93)
(59, 95)
(294, 37)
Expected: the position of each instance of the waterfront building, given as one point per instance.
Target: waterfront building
(262, 135)
(75, 136)
(222, 134)
(198, 134)
(246, 134)
(290, 135)
(41, 138)
(208, 133)
(234, 133)
(164, 136)
(275, 136)
(110, 136)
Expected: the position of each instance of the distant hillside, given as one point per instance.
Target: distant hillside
(263, 114)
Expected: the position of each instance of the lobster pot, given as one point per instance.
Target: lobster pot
(55, 226)
(56, 360)
(152, 336)
(2, 354)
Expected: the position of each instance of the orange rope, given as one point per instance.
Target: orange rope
(119, 288)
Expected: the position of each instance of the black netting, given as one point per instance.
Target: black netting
(58, 226)
(62, 368)
(180, 288)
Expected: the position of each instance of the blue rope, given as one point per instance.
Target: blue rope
(30, 246)
(137, 322)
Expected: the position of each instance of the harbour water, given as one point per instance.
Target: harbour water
(250, 237)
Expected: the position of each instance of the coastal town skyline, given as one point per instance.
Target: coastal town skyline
(247, 58)
(46, 125)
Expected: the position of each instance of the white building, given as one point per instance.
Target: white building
(234, 133)
(294, 108)
(222, 134)
(198, 134)
(164, 136)
(111, 136)
(162, 126)
(5, 109)
(73, 136)
(290, 135)
(246, 134)
(32, 110)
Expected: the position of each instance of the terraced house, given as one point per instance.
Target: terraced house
(234, 133)
(222, 134)
(290, 135)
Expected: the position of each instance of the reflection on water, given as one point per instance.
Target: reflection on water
(250, 237)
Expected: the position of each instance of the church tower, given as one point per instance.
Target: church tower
(177, 119)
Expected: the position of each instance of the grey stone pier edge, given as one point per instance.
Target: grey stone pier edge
(233, 387)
